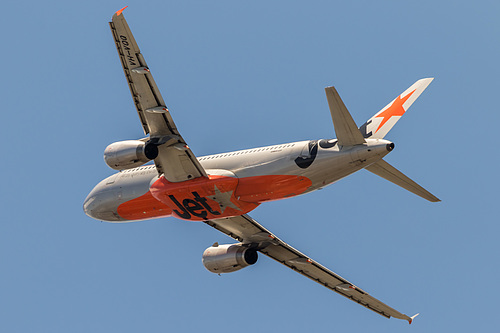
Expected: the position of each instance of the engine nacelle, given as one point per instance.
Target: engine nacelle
(228, 258)
(129, 154)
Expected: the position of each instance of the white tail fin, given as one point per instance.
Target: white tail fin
(381, 123)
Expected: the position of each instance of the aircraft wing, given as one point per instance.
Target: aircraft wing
(248, 231)
(175, 160)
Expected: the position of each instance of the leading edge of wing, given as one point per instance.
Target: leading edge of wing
(248, 231)
(175, 159)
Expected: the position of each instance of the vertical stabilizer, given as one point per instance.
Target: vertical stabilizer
(381, 123)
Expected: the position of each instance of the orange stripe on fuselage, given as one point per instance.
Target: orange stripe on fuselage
(203, 198)
(143, 207)
(249, 192)
(272, 187)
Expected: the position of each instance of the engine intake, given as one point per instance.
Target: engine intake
(129, 154)
(228, 258)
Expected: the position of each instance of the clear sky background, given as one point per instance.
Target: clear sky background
(242, 74)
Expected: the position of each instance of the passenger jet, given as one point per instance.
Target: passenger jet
(220, 190)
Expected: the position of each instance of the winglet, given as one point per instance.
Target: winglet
(411, 318)
(118, 13)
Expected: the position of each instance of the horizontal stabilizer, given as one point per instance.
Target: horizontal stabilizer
(390, 173)
(346, 129)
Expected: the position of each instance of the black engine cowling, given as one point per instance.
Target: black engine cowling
(228, 258)
(129, 154)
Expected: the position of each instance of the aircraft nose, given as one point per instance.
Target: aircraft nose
(89, 205)
(102, 203)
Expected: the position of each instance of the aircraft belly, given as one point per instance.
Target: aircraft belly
(202, 198)
(143, 207)
(331, 166)
(328, 170)
(271, 187)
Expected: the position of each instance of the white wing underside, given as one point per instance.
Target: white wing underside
(248, 231)
(175, 160)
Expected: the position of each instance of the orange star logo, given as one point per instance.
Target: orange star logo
(396, 109)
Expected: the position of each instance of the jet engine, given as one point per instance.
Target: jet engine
(228, 258)
(129, 154)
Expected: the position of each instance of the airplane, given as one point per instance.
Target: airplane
(221, 189)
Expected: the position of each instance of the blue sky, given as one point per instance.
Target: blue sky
(238, 75)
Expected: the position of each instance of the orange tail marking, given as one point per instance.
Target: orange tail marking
(396, 109)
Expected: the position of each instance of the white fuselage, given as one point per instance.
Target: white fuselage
(323, 162)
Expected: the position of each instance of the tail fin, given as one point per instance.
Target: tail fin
(380, 124)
